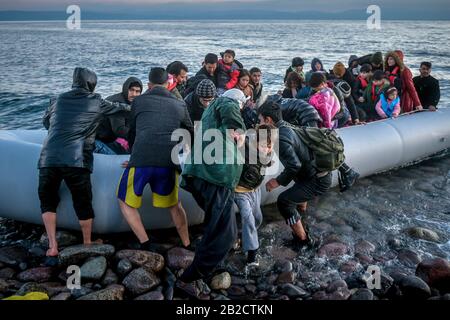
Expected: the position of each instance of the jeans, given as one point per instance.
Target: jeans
(220, 227)
(249, 204)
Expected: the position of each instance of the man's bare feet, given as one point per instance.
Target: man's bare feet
(52, 252)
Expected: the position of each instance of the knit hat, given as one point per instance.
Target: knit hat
(339, 69)
(377, 58)
(206, 89)
(237, 95)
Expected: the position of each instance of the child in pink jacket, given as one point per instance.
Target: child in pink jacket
(324, 100)
(389, 104)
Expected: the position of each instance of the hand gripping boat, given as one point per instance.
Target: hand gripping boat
(373, 148)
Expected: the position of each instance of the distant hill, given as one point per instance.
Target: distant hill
(186, 13)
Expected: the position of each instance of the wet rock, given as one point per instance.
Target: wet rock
(341, 293)
(110, 278)
(13, 256)
(179, 258)
(240, 281)
(262, 295)
(94, 268)
(423, 233)
(251, 288)
(23, 266)
(320, 295)
(150, 261)
(364, 258)
(79, 253)
(154, 295)
(53, 288)
(364, 247)
(395, 243)
(333, 286)
(63, 296)
(283, 297)
(113, 292)
(362, 294)
(124, 267)
(436, 273)
(40, 274)
(413, 287)
(284, 254)
(408, 257)
(7, 273)
(4, 286)
(286, 277)
(386, 283)
(349, 266)
(333, 250)
(83, 291)
(63, 238)
(283, 266)
(332, 238)
(293, 291)
(221, 281)
(140, 281)
(31, 287)
(221, 297)
(37, 252)
(236, 291)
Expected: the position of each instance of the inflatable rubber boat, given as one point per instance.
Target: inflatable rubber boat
(372, 148)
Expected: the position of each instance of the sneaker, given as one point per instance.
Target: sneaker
(191, 289)
(348, 179)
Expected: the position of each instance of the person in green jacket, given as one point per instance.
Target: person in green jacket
(372, 94)
(211, 175)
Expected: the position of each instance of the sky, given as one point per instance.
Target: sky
(416, 9)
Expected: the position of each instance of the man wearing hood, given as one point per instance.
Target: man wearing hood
(67, 152)
(113, 130)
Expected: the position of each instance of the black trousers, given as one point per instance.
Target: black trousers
(220, 227)
(301, 191)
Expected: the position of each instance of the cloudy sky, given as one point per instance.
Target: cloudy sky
(403, 8)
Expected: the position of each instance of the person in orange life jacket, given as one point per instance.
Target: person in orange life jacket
(293, 85)
(401, 77)
(372, 93)
(427, 87)
(389, 104)
(177, 78)
(228, 71)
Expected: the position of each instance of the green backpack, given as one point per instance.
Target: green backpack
(326, 146)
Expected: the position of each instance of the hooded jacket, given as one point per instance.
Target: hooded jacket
(327, 105)
(297, 112)
(409, 99)
(117, 125)
(72, 123)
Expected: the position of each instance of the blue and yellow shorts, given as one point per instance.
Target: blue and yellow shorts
(163, 182)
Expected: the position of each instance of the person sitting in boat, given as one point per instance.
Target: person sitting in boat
(255, 81)
(247, 195)
(389, 104)
(199, 100)
(316, 66)
(375, 60)
(427, 87)
(244, 85)
(353, 65)
(359, 86)
(401, 77)
(337, 79)
(112, 133)
(228, 71)
(324, 100)
(209, 68)
(156, 115)
(377, 85)
(177, 78)
(212, 186)
(293, 85)
(298, 167)
(297, 65)
(67, 152)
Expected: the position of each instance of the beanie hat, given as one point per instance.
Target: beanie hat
(339, 69)
(236, 94)
(206, 89)
(377, 58)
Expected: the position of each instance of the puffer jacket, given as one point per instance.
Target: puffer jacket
(294, 155)
(327, 104)
(297, 112)
(227, 75)
(117, 125)
(72, 123)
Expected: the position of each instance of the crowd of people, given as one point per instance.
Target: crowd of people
(224, 96)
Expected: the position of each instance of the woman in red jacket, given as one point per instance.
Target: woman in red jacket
(401, 77)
